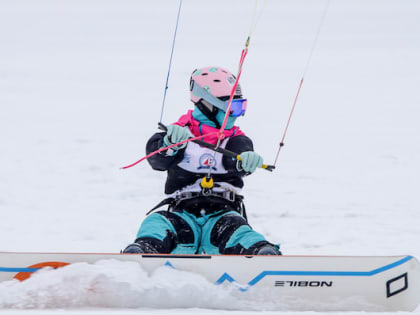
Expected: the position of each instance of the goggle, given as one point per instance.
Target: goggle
(237, 107)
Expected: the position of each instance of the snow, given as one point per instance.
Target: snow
(112, 284)
(81, 85)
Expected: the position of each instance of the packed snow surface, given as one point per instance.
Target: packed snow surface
(81, 87)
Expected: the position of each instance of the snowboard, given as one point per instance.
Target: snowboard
(322, 283)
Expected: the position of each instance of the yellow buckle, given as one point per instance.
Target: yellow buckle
(207, 183)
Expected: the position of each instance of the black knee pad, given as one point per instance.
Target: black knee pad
(223, 230)
(184, 233)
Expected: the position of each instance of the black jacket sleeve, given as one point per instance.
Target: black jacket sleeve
(238, 145)
(161, 161)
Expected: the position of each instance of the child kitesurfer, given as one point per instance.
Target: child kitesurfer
(199, 220)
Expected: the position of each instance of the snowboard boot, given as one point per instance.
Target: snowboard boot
(268, 250)
(143, 246)
(133, 249)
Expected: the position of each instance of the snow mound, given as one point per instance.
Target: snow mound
(113, 284)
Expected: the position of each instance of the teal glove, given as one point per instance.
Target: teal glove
(249, 161)
(175, 134)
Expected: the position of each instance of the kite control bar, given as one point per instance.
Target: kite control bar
(220, 150)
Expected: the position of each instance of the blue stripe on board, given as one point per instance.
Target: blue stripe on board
(227, 277)
(390, 266)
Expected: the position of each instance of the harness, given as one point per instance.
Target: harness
(208, 200)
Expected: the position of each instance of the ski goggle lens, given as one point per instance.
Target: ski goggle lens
(238, 107)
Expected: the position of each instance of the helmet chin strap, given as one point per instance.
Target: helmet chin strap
(204, 107)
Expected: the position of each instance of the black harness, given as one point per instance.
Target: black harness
(206, 200)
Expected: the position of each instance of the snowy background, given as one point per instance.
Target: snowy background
(81, 86)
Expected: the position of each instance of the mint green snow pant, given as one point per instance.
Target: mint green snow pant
(183, 233)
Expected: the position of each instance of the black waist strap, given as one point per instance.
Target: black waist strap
(195, 201)
(228, 195)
